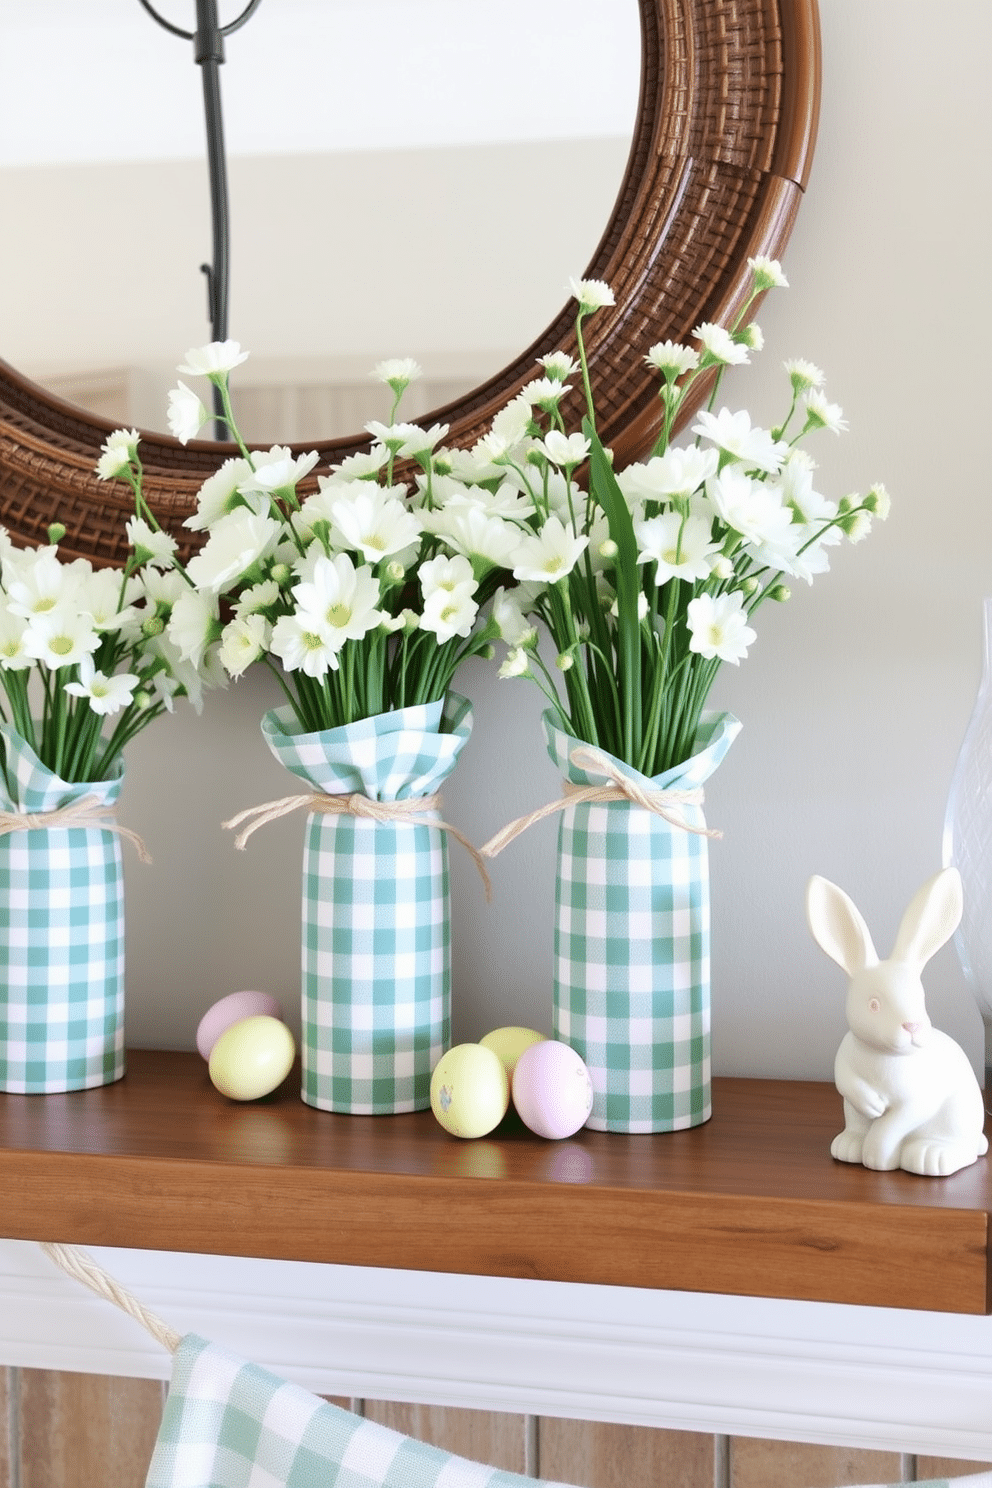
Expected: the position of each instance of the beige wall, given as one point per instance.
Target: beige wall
(856, 694)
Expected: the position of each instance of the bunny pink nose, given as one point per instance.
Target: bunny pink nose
(912, 1028)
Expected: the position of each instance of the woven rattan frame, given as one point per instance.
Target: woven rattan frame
(720, 158)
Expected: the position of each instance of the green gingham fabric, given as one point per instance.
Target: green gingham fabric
(631, 983)
(973, 1480)
(231, 1424)
(376, 946)
(61, 935)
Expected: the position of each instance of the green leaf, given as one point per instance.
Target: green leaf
(607, 494)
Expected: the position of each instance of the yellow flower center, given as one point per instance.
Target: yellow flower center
(339, 614)
(61, 645)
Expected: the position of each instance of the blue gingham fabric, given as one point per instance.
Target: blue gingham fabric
(973, 1480)
(632, 952)
(376, 945)
(61, 935)
(231, 1424)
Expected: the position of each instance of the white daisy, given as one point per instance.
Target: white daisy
(213, 360)
(371, 520)
(13, 657)
(156, 548)
(803, 375)
(564, 449)
(236, 543)
(470, 530)
(559, 365)
(60, 638)
(340, 599)
(186, 414)
(107, 695)
(398, 372)
(549, 555)
(447, 614)
(719, 345)
(673, 476)
(681, 548)
(509, 430)
(278, 469)
(823, 415)
(118, 450)
(718, 627)
(452, 575)
(672, 359)
(592, 294)
(732, 433)
(749, 507)
(194, 624)
(304, 645)
(767, 272)
(243, 641)
(219, 495)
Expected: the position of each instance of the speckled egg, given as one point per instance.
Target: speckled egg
(252, 1057)
(231, 1010)
(470, 1092)
(552, 1090)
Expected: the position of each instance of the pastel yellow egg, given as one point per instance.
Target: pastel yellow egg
(509, 1043)
(252, 1057)
(470, 1091)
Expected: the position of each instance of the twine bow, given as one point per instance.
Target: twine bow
(88, 811)
(354, 804)
(664, 803)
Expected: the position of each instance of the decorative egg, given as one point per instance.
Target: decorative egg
(510, 1043)
(252, 1057)
(470, 1092)
(552, 1090)
(232, 1010)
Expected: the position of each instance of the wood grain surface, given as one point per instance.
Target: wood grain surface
(750, 1203)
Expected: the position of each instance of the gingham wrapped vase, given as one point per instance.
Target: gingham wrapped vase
(61, 933)
(376, 937)
(632, 956)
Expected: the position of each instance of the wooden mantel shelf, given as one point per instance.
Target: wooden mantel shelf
(751, 1203)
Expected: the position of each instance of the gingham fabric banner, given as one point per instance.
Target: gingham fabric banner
(231, 1424)
(61, 935)
(376, 949)
(632, 959)
(973, 1480)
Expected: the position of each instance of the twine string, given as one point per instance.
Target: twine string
(668, 804)
(88, 811)
(83, 1268)
(354, 804)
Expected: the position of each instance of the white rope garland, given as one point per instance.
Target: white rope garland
(82, 1267)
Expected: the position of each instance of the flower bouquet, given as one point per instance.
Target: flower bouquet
(362, 597)
(645, 580)
(85, 664)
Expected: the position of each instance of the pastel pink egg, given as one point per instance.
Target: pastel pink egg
(230, 1010)
(552, 1090)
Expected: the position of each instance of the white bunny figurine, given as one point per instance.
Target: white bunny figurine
(911, 1099)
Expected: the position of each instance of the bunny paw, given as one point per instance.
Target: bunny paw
(847, 1146)
(935, 1159)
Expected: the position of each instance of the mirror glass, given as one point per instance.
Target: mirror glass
(406, 179)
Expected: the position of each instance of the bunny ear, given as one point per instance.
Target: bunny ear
(838, 927)
(931, 918)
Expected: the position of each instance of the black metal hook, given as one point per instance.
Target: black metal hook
(208, 53)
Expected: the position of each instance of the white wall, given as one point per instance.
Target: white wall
(855, 697)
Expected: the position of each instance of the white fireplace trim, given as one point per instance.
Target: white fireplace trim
(872, 1377)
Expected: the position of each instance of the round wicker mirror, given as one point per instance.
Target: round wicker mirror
(719, 161)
